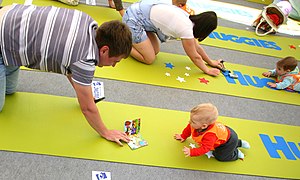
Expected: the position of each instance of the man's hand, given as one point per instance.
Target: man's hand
(116, 136)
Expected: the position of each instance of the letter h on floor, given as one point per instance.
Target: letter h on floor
(289, 149)
(245, 80)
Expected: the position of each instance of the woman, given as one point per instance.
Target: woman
(148, 20)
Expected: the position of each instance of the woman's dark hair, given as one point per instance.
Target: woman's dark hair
(204, 24)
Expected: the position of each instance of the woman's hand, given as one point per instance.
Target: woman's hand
(213, 72)
(217, 64)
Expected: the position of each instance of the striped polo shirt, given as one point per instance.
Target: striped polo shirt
(50, 39)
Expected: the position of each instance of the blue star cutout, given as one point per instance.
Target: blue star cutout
(169, 65)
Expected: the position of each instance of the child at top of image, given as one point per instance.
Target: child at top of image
(211, 135)
(286, 73)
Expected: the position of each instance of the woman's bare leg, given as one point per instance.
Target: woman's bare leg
(146, 51)
(154, 41)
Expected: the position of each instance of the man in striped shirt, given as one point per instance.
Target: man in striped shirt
(63, 41)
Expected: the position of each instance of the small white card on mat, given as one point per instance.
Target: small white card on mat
(98, 90)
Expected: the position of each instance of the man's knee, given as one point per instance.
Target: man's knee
(11, 88)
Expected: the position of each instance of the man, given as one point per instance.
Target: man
(63, 41)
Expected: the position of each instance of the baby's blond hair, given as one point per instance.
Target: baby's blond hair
(179, 2)
(206, 113)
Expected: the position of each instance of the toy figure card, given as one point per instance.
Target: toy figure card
(136, 141)
(132, 129)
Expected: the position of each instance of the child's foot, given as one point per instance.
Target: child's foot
(240, 154)
(245, 144)
(111, 4)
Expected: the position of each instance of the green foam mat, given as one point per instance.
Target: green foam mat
(130, 1)
(266, 2)
(247, 41)
(178, 71)
(54, 125)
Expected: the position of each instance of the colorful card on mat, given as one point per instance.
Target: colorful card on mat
(132, 129)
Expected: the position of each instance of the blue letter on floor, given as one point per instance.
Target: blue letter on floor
(279, 145)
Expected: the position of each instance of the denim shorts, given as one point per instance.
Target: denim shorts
(136, 21)
(137, 18)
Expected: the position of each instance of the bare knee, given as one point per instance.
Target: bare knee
(156, 50)
(149, 60)
(146, 59)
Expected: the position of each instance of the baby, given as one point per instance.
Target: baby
(287, 73)
(211, 135)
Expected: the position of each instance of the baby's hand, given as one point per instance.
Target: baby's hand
(273, 85)
(267, 74)
(178, 137)
(186, 151)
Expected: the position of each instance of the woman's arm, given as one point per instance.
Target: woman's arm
(198, 55)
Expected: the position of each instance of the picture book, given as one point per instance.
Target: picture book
(132, 129)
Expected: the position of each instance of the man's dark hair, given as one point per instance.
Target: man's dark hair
(117, 36)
